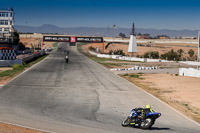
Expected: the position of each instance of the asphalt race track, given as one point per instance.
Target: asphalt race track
(80, 97)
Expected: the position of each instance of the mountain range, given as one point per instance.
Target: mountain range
(103, 31)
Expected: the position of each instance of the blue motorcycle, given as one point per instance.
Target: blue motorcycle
(142, 118)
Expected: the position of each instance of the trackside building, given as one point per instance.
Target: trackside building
(6, 26)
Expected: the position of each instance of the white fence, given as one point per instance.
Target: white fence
(154, 41)
(126, 58)
(189, 72)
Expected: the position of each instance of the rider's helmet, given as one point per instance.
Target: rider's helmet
(148, 106)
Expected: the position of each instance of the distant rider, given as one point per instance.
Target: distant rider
(66, 58)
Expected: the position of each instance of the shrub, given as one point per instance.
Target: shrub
(17, 67)
(119, 52)
(110, 52)
(126, 74)
(153, 55)
(92, 48)
(135, 76)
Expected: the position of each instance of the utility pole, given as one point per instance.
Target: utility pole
(27, 28)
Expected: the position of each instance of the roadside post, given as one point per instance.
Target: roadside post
(103, 47)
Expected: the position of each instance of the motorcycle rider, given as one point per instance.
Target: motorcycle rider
(66, 58)
(140, 113)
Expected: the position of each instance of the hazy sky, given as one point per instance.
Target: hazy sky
(157, 14)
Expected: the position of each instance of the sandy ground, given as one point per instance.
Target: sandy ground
(183, 89)
(34, 41)
(182, 93)
(6, 128)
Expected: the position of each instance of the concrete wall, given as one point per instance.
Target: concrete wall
(194, 63)
(189, 72)
(93, 53)
(9, 63)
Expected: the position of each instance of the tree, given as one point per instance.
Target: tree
(16, 38)
(153, 55)
(122, 35)
(171, 55)
(191, 52)
(180, 52)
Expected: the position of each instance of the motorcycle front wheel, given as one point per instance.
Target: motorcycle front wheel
(126, 122)
(146, 124)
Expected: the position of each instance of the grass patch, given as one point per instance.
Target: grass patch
(135, 76)
(140, 73)
(126, 74)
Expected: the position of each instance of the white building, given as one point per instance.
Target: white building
(6, 25)
(6, 20)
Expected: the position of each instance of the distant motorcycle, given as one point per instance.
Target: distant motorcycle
(66, 59)
(141, 118)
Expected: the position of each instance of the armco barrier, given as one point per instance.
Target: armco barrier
(189, 72)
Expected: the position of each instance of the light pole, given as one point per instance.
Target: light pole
(27, 28)
(114, 26)
(198, 50)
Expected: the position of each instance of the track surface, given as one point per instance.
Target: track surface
(81, 96)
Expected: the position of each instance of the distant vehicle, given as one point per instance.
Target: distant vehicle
(49, 49)
(143, 118)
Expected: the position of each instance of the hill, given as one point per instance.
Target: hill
(101, 31)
